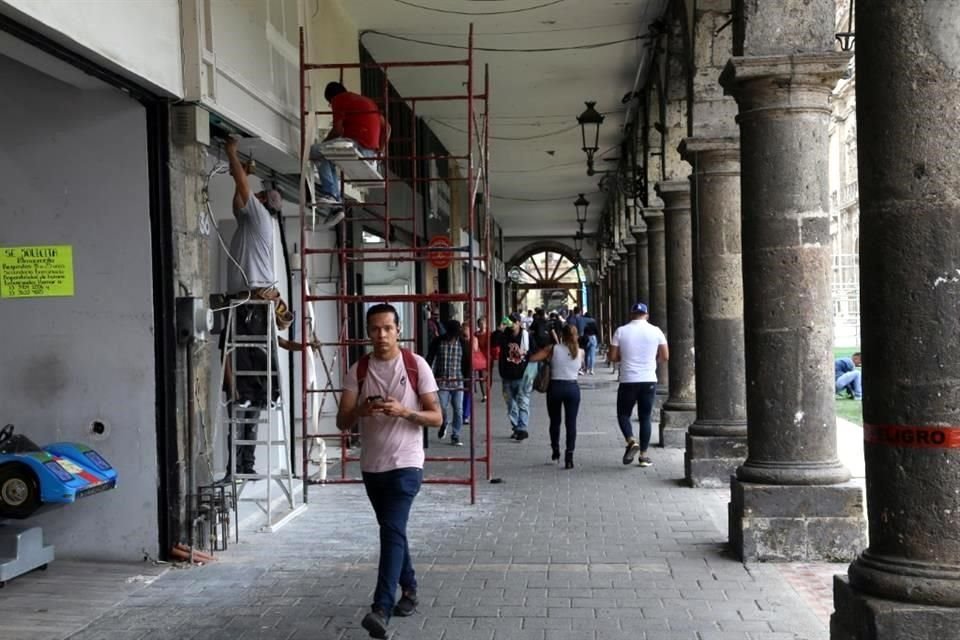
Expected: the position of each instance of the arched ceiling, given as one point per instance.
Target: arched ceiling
(537, 166)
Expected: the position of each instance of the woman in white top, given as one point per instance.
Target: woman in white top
(566, 358)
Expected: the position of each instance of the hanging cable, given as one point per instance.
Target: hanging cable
(578, 47)
(478, 13)
(515, 138)
(558, 199)
(533, 32)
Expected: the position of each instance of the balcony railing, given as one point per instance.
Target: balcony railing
(846, 195)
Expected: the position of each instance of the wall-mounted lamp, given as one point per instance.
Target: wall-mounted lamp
(581, 204)
(590, 121)
(847, 38)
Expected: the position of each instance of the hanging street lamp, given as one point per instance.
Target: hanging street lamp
(590, 121)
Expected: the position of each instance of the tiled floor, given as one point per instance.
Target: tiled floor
(604, 551)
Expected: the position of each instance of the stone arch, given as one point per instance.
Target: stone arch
(562, 273)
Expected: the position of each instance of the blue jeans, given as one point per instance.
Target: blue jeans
(563, 395)
(591, 355)
(518, 403)
(851, 381)
(451, 402)
(327, 172)
(391, 494)
(641, 395)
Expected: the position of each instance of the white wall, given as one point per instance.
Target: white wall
(138, 37)
(75, 166)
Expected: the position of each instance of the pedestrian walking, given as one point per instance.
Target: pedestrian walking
(392, 394)
(517, 383)
(563, 394)
(637, 346)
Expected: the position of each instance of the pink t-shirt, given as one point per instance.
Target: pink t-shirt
(391, 443)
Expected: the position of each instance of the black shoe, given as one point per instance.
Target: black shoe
(522, 435)
(455, 441)
(644, 461)
(375, 623)
(442, 432)
(568, 460)
(406, 605)
(631, 452)
(513, 434)
(555, 456)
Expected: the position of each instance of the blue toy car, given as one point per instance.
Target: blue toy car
(60, 473)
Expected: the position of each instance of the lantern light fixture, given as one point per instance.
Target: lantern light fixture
(590, 121)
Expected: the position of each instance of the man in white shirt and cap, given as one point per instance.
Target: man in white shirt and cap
(637, 346)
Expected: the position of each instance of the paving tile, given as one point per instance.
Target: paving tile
(603, 551)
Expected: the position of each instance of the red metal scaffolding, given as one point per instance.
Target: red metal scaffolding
(379, 213)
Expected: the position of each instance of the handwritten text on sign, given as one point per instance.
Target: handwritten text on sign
(912, 437)
(36, 272)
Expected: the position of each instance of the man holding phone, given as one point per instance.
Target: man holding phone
(391, 395)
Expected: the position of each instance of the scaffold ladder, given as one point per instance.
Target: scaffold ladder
(238, 413)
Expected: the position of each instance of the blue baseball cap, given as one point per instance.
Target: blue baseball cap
(638, 307)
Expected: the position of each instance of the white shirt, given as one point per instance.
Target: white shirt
(638, 342)
(562, 366)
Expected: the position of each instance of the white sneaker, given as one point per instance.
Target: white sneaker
(333, 218)
(324, 200)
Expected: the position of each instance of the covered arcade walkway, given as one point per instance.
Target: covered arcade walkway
(603, 551)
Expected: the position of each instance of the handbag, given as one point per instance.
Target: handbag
(542, 382)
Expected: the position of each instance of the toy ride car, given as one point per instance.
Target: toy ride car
(32, 477)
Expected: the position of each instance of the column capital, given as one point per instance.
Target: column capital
(702, 146)
(653, 217)
(797, 82)
(640, 233)
(675, 194)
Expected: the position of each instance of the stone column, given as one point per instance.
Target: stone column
(624, 286)
(643, 263)
(791, 499)
(907, 584)
(612, 297)
(680, 409)
(656, 252)
(717, 441)
(631, 243)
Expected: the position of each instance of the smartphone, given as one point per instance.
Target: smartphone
(374, 398)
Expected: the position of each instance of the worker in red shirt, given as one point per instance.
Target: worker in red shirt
(356, 118)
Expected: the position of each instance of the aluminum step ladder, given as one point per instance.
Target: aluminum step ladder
(239, 412)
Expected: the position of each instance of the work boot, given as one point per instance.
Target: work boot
(375, 623)
(407, 605)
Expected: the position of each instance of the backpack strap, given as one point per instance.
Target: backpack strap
(409, 363)
(413, 369)
(363, 365)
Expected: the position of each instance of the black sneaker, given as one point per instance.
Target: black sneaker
(631, 452)
(442, 432)
(406, 605)
(375, 623)
(644, 461)
(455, 441)
(522, 435)
(513, 434)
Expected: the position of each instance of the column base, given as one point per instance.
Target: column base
(792, 523)
(859, 616)
(673, 426)
(709, 461)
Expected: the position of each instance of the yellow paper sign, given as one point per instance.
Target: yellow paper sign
(36, 272)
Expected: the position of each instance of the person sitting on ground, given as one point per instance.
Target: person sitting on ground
(847, 376)
(355, 117)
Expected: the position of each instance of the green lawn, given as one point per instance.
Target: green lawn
(850, 410)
